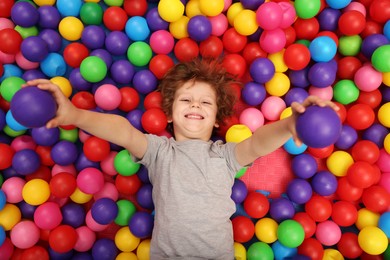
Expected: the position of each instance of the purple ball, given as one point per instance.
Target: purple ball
(262, 70)
(64, 153)
(253, 93)
(239, 191)
(199, 28)
(83, 162)
(24, 14)
(295, 95)
(299, 78)
(144, 196)
(33, 107)
(141, 224)
(52, 38)
(299, 191)
(104, 249)
(117, 43)
(143, 174)
(27, 210)
(371, 43)
(322, 74)
(34, 48)
(252, 4)
(385, 94)
(154, 20)
(49, 17)
(328, 19)
(347, 139)
(78, 82)
(104, 55)
(45, 136)
(318, 127)
(281, 209)
(304, 166)
(33, 74)
(3, 122)
(93, 37)
(324, 183)
(134, 118)
(104, 211)
(144, 81)
(376, 133)
(26, 161)
(73, 214)
(122, 71)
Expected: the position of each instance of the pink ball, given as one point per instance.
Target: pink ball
(269, 15)
(25, 234)
(83, 136)
(161, 42)
(289, 14)
(219, 24)
(367, 78)
(109, 190)
(272, 107)
(383, 161)
(107, 164)
(355, 6)
(273, 41)
(328, 233)
(12, 188)
(6, 23)
(85, 239)
(6, 58)
(252, 118)
(61, 168)
(385, 181)
(108, 97)
(324, 93)
(25, 63)
(23, 142)
(227, 4)
(48, 215)
(90, 180)
(92, 224)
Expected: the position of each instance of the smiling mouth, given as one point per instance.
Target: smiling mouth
(194, 116)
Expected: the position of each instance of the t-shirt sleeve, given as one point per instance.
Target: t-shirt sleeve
(228, 152)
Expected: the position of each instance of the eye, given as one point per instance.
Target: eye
(185, 99)
(206, 102)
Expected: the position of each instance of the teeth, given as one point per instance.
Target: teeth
(194, 116)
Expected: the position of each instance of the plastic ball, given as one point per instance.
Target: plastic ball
(269, 15)
(238, 133)
(11, 40)
(304, 166)
(199, 28)
(48, 215)
(245, 22)
(137, 28)
(62, 185)
(278, 85)
(262, 70)
(126, 209)
(24, 234)
(34, 48)
(12, 188)
(273, 41)
(324, 183)
(139, 53)
(90, 180)
(290, 233)
(107, 96)
(104, 248)
(115, 18)
(125, 240)
(322, 49)
(349, 246)
(170, 10)
(348, 137)
(86, 239)
(144, 196)
(93, 37)
(141, 224)
(71, 28)
(36, 191)
(239, 191)
(379, 55)
(260, 250)
(104, 211)
(233, 41)
(272, 107)
(124, 164)
(361, 174)
(252, 118)
(371, 43)
(74, 53)
(299, 191)
(243, 229)
(379, 11)
(351, 22)
(64, 152)
(266, 230)
(281, 209)
(25, 161)
(319, 208)
(253, 93)
(376, 198)
(383, 110)
(307, 9)
(91, 13)
(296, 56)
(372, 240)
(256, 204)
(322, 74)
(93, 69)
(62, 238)
(154, 120)
(161, 42)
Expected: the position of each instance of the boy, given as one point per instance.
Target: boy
(192, 176)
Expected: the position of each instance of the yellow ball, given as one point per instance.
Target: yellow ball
(278, 85)
(211, 8)
(80, 197)
(286, 113)
(44, 2)
(333, 254)
(36, 191)
(239, 251)
(178, 29)
(386, 143)
(339, 162)
(386, 78)
(125, 240)
(71, 28)
(233, 11)
(143, 250)
(170, 10)
(366, 218)
(237, 133)
(193, 8)
(373, 240)
(126, 256)
(266, 230)
(64, 84)
(245, 22)
(278, 61)
(383, 114)
(10, 215)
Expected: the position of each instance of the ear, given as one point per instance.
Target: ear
(216, 125)
(169, 119)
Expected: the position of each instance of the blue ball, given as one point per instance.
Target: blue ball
(69, 7)
(12, 123)
(137, 28)
(338, 4)
(53, 65)
(292, 148)
(322, 49)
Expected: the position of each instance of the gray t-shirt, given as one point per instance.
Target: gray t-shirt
(192, 183)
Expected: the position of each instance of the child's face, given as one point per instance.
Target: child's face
(194, 111)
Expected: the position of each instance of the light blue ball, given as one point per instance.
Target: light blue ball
(11, 70)
(294, 149)
(53, 65)
(338, 4)
(12, 123)
(69, 7)
(386, 30)
(384, 223)
(283, 252)
(137, 28)
(322, 49)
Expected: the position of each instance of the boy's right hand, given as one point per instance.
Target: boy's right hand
(66, 111)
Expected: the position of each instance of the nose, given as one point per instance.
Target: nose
(195, 104)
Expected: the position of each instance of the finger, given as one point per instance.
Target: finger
(36, 82)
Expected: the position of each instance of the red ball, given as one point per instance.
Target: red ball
(234, 64)
(306, 28)
(291, 35)
(321, 153)
(226, 124)
(256, 204)
(10, 41)
(308, 224)
(233, 42)
(361, 174)
(243, 229)
(84, 100)
(35, 252)
(43, 173)
(344, 213)
(319, 208)
(312, 248)
(253, 51)
(365, 150)
(371, 27)
(74, 53)
(62, 185)
(63, 238)
(44, 153)
(160, 64)
(348, 192)
(348, 245)
(351, 22)
(376, 198)
(135, 7)
(330, 34)
(96, 149)
(342, 112)
(211, 47)
(371, 98)
(154, 121)
(130, 99)
(186, 49)
(153, 100)
(5, 8)
(380, 11)
(115, 18)
(297, 56)
(6, 155)
(347, 67)
(127, 185)
(360, 116)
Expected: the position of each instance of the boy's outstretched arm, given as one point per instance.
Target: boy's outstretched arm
(270, 137)
(113, 128)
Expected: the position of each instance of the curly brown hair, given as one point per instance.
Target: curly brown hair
(210, 71)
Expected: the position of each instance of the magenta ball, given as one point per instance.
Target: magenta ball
(48, 215)
(318, 127)
(33, 107)
(269, 15)
(90, 180)
(25, 234)
(328, 233)
(108, 97)
(162, 42)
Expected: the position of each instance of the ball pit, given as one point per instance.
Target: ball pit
(110, 55)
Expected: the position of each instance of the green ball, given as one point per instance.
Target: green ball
(124, 164)
(12, 133)
(307, 9)
(380, 58)
(93, 69)
(260, 251)
(350, 45)
(10, 86)
(304, 42)
(91, 13)
(139, 53)
(113, 2)
(126, 209)
(71, 135)
(27, 31)
(241, 172)
(290, 233)
(345, 91)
